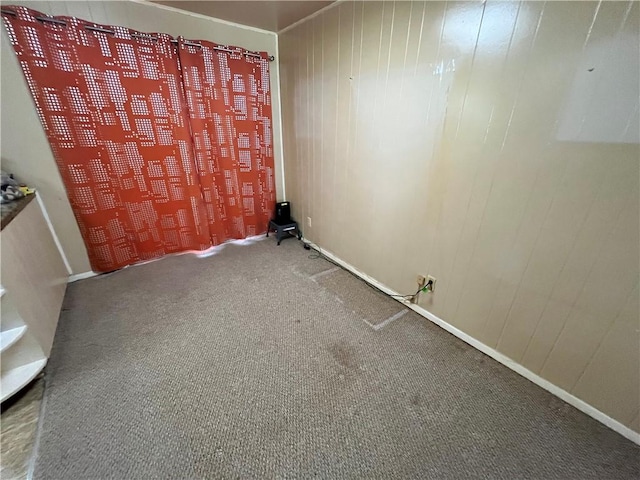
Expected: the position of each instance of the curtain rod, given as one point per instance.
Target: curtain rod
(135, 35)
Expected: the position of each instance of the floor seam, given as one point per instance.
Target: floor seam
(375, 327)
(389, 320)
(324, 273)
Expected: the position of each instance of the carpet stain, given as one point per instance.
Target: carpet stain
(344, 354)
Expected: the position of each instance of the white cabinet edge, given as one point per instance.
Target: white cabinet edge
(13, 380)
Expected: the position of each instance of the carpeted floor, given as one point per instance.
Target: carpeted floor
(260, 363)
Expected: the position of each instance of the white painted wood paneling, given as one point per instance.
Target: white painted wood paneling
(468, 140)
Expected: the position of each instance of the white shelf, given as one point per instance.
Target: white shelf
(16, 378)
(9, 337)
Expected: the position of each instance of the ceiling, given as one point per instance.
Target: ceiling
(266, 14)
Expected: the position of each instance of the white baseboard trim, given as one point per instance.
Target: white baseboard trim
(499, 357)
(80, 276)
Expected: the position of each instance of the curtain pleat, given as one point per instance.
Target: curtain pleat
(229, 102)
(152, 164)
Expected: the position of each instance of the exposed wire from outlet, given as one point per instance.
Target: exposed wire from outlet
(425, 285)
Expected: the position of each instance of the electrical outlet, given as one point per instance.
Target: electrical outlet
(431, 280)
(309, 222)
(422, 281)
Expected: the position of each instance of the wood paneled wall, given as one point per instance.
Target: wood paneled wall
(493, 145)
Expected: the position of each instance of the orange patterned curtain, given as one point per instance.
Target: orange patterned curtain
(227, 91)
(113, 106)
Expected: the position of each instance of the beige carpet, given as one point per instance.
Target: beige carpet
(259, 363)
